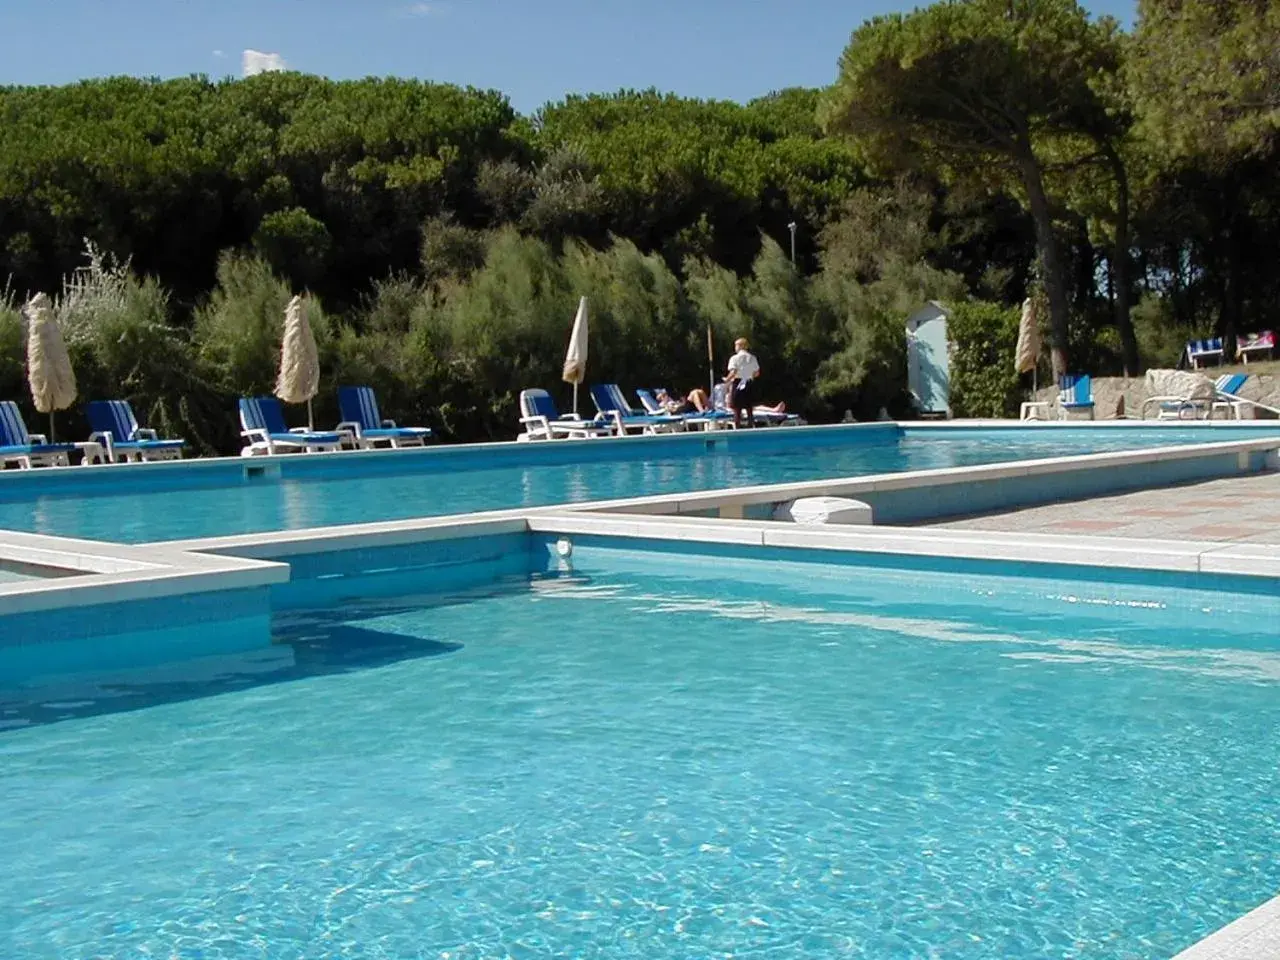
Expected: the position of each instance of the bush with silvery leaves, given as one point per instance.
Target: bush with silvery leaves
(94, 294)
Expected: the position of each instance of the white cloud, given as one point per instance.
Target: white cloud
(423, 8)
(254, 62)
(219, 54)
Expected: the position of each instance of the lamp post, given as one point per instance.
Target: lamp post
(792, 227)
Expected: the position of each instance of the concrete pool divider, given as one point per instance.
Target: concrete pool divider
(1038, 552)
(404, 552)
(289, 559)
(103, 605)
(898, 497)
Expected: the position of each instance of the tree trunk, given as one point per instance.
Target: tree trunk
(1120, 268)
(1232, 293)
(1085, 263)
(1055, 283)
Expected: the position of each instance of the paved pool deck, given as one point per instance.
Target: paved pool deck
(1233, 510)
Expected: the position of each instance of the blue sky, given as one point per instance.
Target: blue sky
(533, 50)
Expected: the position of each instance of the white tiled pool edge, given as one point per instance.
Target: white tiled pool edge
(1209, 557)
(1255, 936)
(120, 573)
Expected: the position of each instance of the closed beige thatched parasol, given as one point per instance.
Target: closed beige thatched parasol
(299, 378)
(49, 373)
(1027, 353)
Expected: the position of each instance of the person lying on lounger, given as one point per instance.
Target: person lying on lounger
(670, 404)
(699, 400)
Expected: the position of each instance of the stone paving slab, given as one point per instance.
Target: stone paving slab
(1233, 510)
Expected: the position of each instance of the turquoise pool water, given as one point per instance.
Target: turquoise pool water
(666, 757)
(173, 504)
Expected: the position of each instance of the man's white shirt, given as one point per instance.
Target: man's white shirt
(744, 365)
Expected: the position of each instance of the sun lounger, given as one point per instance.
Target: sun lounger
(1183, 395)
(24, 449)
(262, 424)
(1227, 398)
(1200, 350)
(542, 421)
(611, 403)
(1075, 395)
(361, 420)
(1225, 395)
(116, 428)
(1262, 342)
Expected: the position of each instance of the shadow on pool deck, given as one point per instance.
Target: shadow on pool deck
(1233, 510)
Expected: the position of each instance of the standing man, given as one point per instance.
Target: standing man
(744, 369)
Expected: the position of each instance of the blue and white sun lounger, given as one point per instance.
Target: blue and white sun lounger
(116, 428)
(1075, 393)
(1198, 401)
(1227, 398)
(1198, 351)
(262, 424)
(542, 421)
(359, 409)
(611, 403)
(25, 449)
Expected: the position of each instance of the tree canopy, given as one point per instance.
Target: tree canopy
(984, 88)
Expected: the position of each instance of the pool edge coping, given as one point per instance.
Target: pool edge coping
(111, 573)
(1253, 936)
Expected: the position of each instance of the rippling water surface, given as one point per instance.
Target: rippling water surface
(693, 761)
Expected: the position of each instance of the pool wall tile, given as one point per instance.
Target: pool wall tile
(1100, 562)
(140, 633)
(431, 566)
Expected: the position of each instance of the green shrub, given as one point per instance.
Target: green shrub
(238, 330)
(13, 351)
(983, 381)
(643, 330)
(450, 251)
(295, 244)
(505, 329)
(1161, 340)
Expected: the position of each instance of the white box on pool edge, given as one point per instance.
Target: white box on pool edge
(824, 510)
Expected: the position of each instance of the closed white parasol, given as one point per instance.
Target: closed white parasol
(299, 378)
(53, 382)
(575, 358)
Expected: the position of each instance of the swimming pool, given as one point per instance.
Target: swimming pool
(667, 754)
(221, 498)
